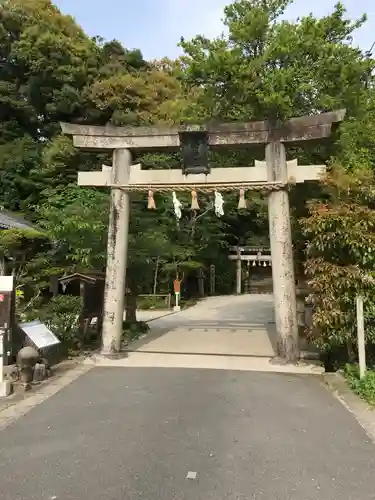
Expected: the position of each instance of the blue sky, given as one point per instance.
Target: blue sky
(155, 26)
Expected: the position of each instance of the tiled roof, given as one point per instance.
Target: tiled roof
(8, 220)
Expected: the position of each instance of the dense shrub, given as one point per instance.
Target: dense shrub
(61, 316)
(365, 387)
(340, 263)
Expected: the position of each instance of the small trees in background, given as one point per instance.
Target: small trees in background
(340, 258)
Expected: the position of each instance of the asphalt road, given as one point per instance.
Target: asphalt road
(140, 433)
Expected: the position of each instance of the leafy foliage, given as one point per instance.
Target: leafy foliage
(271, 68)
(341, 256)
(23, 249)
(61, 315)
(76, 220)
(365, 387)
(133, 331)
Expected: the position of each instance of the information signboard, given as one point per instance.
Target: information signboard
(6, 283)
(39, 334)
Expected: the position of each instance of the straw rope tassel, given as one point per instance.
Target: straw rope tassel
(242, 200)
(194, 200)
(151, 202)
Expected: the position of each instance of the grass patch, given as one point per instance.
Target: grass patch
(133, 331)
(152, 303)
(156, 303)
(185, 304)
(365, 387)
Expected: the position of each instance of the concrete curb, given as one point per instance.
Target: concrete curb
(214, 362)
(169, 313)
(20, 404)
(361, 411)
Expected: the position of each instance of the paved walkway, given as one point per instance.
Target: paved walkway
(231, 325)
(163, 434)
(152, 314)
(228, 332)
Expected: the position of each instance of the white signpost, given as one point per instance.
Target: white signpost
(361, 336)
(6, 289)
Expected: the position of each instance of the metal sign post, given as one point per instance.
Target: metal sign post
(177, 293)
(6, 296)
(212, 279)
(2, 333)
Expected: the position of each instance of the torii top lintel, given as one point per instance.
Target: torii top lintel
(224, 135)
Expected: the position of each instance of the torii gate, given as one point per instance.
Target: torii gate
(274, 176)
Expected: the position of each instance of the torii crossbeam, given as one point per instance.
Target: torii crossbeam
(226, 179)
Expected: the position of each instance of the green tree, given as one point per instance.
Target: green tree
(48, 65)
(341, 257)
(140, 98)
(48, 58)
(357, 136)
(46, 62)
(271, 68)
(76, 219)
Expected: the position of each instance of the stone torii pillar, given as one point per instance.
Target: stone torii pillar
(117, 254)
(272, 175)
(284, 287)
